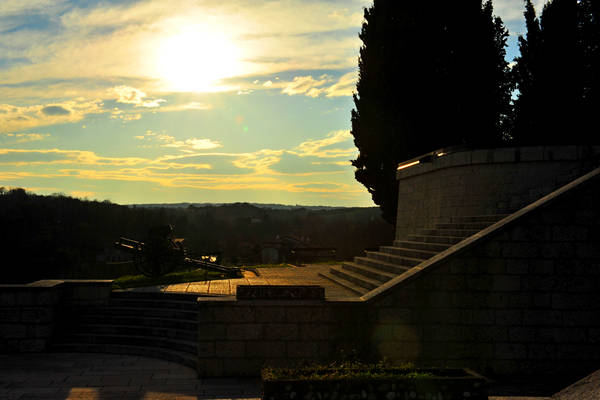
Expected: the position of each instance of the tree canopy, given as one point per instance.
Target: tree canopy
(429, 77)
(556, 74)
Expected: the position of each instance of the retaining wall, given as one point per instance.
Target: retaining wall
(485, 182)
(28, 312)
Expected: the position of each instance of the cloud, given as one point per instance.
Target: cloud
(82, 194)
(323, 147)
(16, 118)
(28, 137)
(55, 110)
(191, 106)
(324, 85)
(131, 95)
(190, 144)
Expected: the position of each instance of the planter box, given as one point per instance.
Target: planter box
(444, 384)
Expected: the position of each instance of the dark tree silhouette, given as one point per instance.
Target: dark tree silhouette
(429, 77)
(556, 74)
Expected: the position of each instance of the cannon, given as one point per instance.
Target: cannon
(160, 254)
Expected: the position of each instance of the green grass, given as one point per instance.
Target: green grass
(345, 371)
(131, 281)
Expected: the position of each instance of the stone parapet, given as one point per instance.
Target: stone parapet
(485, 182)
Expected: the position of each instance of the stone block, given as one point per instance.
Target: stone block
(25, 298)
(393, 315)
(523, 250)
(13, 331)
(308, 314)
(245, 331)
(206, 349)
(38, 315)
(487, 334)
(242, 367)
(8, 298)
(280, 331)
(537, 351)
(297, 349)
(587, 250)
(517, 266)
(506, 283)
(266, 349)
(542, 318)
(581, 318)
(10, 314)
(521, 334)
(510, 351)
(236, 314)
(575, 301)
(230, 349)
(560, 335)
(541, 267)
(316, 331)
(270, 314)
(210, 367)
(40, 331)
(32, 345)
(569, 233)
(210, 332)
(509, 317)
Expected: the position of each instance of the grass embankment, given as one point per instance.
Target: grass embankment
(131, 281)
(198, 275)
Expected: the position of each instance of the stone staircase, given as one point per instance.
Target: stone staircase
(159, 325)
(377, 267)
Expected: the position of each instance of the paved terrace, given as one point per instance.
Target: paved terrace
(305, 275)
(83, 376)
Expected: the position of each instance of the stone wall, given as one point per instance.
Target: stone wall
(524, 298)
(484, 182)
(520, 297)
(28, 312)
(238, 337)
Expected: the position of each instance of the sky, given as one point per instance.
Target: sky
(149, 101)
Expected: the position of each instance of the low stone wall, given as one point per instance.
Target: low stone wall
(238, 337)
(523, 299)
(28, 314)
(479, 182)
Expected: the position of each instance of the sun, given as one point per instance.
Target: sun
(195, 60)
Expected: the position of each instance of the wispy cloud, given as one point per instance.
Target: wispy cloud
(16, 118)
(324, 85)
(323, 148)
(131, 95)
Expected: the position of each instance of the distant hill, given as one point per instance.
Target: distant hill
(62, 237)
(259, 205)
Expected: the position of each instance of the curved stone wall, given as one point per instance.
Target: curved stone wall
(485, 182)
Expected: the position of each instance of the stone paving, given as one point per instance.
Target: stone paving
(108, 376)
(305, 275)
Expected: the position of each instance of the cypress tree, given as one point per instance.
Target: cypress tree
(429, 77)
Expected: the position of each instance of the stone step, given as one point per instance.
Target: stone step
(450, 240)
(433, 247)
(138, 320)
(407, 252)
(137, 330)
(480, 218)
(355, 278)
(131, 340)
(368, 272)
(382, 265)
(153, 303)
(464, 233)
(393, 259)
(344, 283)
(463, 225)
(182, 358)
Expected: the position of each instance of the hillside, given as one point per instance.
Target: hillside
(59, 236)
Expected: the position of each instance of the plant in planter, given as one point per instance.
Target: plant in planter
(355, 380)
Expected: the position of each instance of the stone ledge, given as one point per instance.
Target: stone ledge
(501, 155)
(280, 292)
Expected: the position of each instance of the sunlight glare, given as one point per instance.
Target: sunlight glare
(195, 60)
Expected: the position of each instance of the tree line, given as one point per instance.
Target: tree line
(57, 236)
(433, 76)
